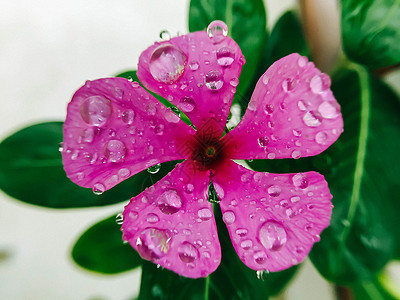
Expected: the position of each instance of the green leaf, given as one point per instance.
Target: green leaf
(232, 279)
(246, 20)
(31, 170)
(100, 249)
(371, 31)
(380, 288)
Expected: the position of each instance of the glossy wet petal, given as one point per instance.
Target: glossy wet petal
(172, 223)
(114, 129)
(273, 219)
(292, 114)
(195, 72)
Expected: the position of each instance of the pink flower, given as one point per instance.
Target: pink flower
(115, 129)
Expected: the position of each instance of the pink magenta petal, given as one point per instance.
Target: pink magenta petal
(273, 219)
(292, 114)
(172, 223)
(114, 129)
(196, 73)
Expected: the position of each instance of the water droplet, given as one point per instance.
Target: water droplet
(269, 108)
(246, 244)
(128, 116)
(229, 217)
(241, 232)
(288, 85)
(299, 249)
(271, 155)
(115, 151)
(320, 83)
(170, 116)
(87, 135)
(301, 105)
(119, 219)
(124, 173)
(214, 80)
(262, 274)
(265, 79)
(188, 253)
(300, 181)
(152, 218)
(263, 141)
(329, 109)
(193, 65)
(217, 31)
(274, 190)
(152, 244)
(169, 202)
(295, 199)
(296, 154)
(154, 169)
(95, 110)
(98, 189)
(165, 35)
(272, 235)
(321, 138)
(204, 214)
(302, 61)
(225, 56)
(234, 81)
(312, 119)
(260, 257)
(159, 129)
(188, 188)
(187, 104)
(167, 63)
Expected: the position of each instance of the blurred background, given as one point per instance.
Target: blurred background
(47, 50)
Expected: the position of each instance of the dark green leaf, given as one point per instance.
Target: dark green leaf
(371, 31)
(100, 249)
(232, 279)
(380, 288)
(246, 20)
(31, 170)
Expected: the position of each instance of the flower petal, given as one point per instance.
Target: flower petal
(292, 114)
(172, 223)
(196, 73)
(273, 219)
(114, 129)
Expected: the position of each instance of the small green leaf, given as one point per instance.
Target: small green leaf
(232, 280)
(31, 170)
(100, 249)
(371, 31)
(246, 20)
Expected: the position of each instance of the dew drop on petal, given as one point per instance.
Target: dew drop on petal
(302, 61)
(188, 188)
(301, 105)
(169, 202)
(119, 219)
(274, 191)
(269, 108)
(295, 199)
(225, 56)
(87, 135)
(246, 244)
(115, 151)
(98, 189)
(165, 35)
(193, 65)
(260, 257)
(187, 252)
(296, 132)
(124, 173)
(287, 85)
(204, 214)
(152, 243)
(321, 138)
(152, 218)
(296, 154)
(312, 119)
(316, 84)
(154, 169)
(329, 109)
(300, 180)
(263, 141)
(265, 79)
(262, 274)
(241, 232)
(214, 80)
(167, 63)
(217, 31)
(234, 81)
(229, 217)
(128, 116)
(95, 110)
(187, 104)
(171, 117)
(272, 235)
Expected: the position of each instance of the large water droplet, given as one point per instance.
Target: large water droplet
(217, 31)
(229, 217)
(95, 110)
(296, 154)
(319, 83)
(214, 80)
(225, 56)
(188, 253)
(312, 119)
(167, 63)
(153, 243)
(115, 151)
(124, 173)
(154, 169)
(329, 109)
(172, 117)
(128, 116)
(204, 214)
(187, 104)
(98, 189)
(321, 138)
(234, 81)
(272, 235)
(263, 141)
(300, 181)
(169, 202)
(274, 190)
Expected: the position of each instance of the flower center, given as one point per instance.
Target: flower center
(210, 151)
(207, 152)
